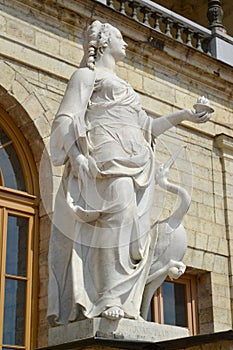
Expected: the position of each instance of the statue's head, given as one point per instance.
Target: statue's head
(100, 39)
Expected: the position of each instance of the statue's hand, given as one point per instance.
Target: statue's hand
(80, 165)
(196, 117)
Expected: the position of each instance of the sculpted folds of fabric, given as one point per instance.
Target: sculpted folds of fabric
(106, 259)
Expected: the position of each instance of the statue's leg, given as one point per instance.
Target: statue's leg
(119, 223)
(149, 291)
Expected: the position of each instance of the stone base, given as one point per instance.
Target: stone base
(123, 330)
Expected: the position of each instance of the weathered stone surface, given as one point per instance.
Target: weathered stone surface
(21, 22)
(124, 329)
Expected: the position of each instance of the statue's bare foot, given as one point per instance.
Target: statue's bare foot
(113, 313)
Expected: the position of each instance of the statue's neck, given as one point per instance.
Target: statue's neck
(106, 62)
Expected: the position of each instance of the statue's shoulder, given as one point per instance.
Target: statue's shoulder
(84, 75)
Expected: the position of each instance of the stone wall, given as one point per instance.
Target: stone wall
(40, 47)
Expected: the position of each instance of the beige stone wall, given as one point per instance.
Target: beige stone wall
(40, 47)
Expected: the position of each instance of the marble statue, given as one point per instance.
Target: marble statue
(171, 241)
(105, 258)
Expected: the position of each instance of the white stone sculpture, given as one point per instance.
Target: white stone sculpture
(171, 241)
(103, 255)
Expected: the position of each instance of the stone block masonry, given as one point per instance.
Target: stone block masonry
(39, 54)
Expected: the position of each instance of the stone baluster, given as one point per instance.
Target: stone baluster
(110, 4)
(188, 40)
(179, 27)
(122, 6)
(198, 38)
(168, 24)
(146, 11)
(156, 16)
(134, 5)
(205, 43)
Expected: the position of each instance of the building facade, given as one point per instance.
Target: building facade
(175, 54)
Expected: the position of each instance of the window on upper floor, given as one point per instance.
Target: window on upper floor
(175, 303)
(18, 237)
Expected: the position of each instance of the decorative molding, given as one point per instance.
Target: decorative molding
(225, 145)
(215, 15)
(198, 66)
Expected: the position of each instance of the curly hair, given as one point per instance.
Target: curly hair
(97, 39)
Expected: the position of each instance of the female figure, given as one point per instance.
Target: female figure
(101, 246)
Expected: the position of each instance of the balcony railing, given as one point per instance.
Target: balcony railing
(163, 21)
(214, 42)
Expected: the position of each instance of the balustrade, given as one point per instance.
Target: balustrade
(164, 21)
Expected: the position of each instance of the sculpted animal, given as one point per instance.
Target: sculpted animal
(171, 241)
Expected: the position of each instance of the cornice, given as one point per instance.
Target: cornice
(225, 145)
(69, 19)
(73, 15)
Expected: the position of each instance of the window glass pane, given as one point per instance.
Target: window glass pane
(14, 312)
(174, 303)
(180, 298)
(10, 165)
(3, 138)
(169, 303)
(16, 254)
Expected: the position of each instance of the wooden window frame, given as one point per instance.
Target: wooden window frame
(24, 153)
(190, 282)
(21, 204)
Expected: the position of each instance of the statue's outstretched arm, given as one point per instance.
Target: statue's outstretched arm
(160, 125)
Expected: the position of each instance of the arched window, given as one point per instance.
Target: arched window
(18, 237)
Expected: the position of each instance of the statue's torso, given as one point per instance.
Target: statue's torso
(115, 120)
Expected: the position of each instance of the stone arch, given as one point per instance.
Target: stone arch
(28, 110)
(26, 107)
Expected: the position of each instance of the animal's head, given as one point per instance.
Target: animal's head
(162, 172)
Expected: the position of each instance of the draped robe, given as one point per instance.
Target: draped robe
(101, 244)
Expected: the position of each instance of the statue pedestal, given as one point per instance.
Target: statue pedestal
(124, 331)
